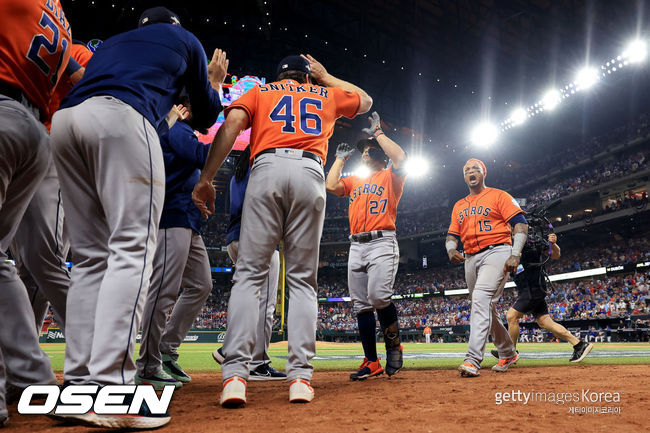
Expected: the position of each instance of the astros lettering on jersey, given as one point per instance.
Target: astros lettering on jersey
(37, 53)
(373, 200)
(302, 116)
(482, 220)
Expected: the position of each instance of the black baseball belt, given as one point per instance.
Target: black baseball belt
(489, 247)
(17, 95)
(281, 150)
(363, 238)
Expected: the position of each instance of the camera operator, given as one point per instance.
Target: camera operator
(531, 285)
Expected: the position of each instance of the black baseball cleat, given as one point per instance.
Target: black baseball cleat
(394, 360)
(218, 355)
(266, 372)
(495, 353)
(580, 351)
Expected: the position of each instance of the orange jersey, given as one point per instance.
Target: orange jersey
(299, 116)
(34, 47)
(482, 220)
(373, 200)
(82, 55)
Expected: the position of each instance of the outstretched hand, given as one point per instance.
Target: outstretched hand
(203, 197)
(218, 68)
(375, 125)
(318, 71)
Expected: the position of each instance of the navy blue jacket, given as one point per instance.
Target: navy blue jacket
(237, 194)
(184, 157)
(147, 68)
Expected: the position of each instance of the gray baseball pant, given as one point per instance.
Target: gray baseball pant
(285, 201)
(40, 248)
(372, 267)
(112, 179)
(181, 261)
(268, 299)
(24, 158)
(485, 281)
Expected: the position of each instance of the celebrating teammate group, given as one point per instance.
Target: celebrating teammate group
(122, 182)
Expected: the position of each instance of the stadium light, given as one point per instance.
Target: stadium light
(416, 166)
(586, 77)
(362, 171)
(484, 134)
(518, 116)
(636, 51)
(551, 99)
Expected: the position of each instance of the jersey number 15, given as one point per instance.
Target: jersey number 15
(484, 226)
(283, 112)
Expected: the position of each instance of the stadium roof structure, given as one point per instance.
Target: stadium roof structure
(433, 67)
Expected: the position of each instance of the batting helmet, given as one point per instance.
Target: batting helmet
(375, 151)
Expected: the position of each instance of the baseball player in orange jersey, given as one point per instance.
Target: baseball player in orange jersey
(291, 121)
(482, 222)
(374, 252)
(34, 53)
(41, 245)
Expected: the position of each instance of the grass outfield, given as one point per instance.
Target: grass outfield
(197, 356)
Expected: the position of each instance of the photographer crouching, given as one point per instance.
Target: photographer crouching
(531, 285)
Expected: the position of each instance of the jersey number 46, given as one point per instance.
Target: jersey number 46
(309, 122)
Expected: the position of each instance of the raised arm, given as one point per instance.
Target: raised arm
(324, 78)
(392, 149)
(333, 183)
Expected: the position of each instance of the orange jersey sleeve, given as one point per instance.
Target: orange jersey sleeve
(82, 55)
(482, 220)
(373, 200)
(299, 116)
(35, 44)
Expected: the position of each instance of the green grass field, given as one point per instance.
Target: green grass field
(196, 357)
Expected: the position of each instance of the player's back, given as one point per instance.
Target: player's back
(34, 47)
(289, 114)
(146, 68)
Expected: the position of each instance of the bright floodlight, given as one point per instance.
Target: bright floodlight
(518, 116)
(362, 171)
(586, 77)
(551, 99)
(636, 51)
(416, 166)
(484, 134)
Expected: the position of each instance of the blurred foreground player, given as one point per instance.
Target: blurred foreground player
(181, 260)
(260, 365)
(482, 221)
(531, 285)
(34, 53)
(374, 251)
(291, 121)
(112, 177)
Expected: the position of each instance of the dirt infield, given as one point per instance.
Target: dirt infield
(413, 401)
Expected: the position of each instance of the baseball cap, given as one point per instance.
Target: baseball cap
(158, 14)
(293, 63)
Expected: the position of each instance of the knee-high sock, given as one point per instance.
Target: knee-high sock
(368, 333)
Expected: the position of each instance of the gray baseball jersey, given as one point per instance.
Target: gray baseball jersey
(285, 201)
(485, 281)
(268, 299)
(112, 179)
(181, 260)
(24, 159)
